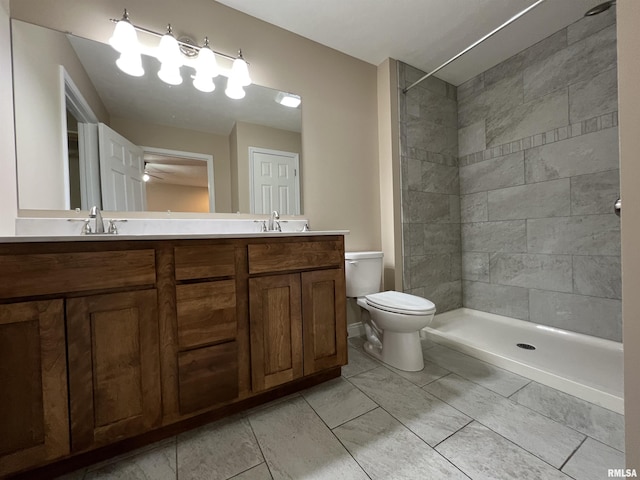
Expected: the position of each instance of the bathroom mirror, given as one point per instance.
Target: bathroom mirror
(199, 149)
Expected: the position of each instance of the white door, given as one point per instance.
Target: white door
(274, 181)
(89, 165)
(121, 170)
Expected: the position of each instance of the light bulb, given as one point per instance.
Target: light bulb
(206, 63)
(124, 36)
(146, 177)
(206, 69)
(204, 84)
(169, 50)
(170, 74)
(240, 71)
(234, 90)
(130, 63)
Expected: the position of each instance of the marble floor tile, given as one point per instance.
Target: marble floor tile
(338, 401)
(426, 416)
(218, 451)
(358, 362)
(357, 342)
(428, 374)
(386, 449)
(260, 472)
(138, 452)
(156, 464)
(543, 437)
(296, 444)
(495, 379)
(485, 455)
(592, 420)
(75, 475)
(592, 461)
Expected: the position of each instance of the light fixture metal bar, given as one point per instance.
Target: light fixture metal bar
(184, 44)
(473, 45)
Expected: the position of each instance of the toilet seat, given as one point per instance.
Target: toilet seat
(398, 302)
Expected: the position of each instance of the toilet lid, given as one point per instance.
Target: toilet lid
(401, 303)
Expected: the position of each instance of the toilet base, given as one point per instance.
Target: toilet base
(399, 350)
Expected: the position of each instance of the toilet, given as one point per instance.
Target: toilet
(392, 320)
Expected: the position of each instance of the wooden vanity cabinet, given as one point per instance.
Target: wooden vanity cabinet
(297, 320)
(114, 367)
(109, 344)
(207, 319)
(324, 320)
(276, 330)
(34, 417)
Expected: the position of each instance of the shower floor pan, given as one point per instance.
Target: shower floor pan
(581, 365)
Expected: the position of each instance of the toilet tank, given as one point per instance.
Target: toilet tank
(363, 271)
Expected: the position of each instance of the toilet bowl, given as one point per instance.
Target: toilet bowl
(392, 320)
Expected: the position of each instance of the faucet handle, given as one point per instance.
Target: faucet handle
(113, 228)
(86, 228)
(263, 226)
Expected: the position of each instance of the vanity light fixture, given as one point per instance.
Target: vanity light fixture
(203, 61)
(240, 71)
(169, 56)
(234, 90)
(288, 99)
(125, 41)
(206, 69)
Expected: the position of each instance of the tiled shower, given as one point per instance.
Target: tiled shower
(509, 180)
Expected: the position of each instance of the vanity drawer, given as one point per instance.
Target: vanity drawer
(25, 275)
(207, 376)
(206, 313)
(204, 261)
(279, 257)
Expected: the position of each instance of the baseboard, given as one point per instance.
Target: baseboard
(355, 329)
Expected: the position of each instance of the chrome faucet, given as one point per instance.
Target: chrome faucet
(274, 224)
(95, 213)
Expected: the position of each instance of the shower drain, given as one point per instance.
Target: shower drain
(526, 346)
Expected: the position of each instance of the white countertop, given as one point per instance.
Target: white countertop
(173, 236)
(37, 230)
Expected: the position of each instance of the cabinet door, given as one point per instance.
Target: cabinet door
(114, 366)
(207, 376)
(276, 330)
(34, 417)
(324, 320)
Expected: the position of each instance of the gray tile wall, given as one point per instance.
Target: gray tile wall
(431, 190)
(538, 167)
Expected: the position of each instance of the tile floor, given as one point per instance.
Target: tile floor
(458, 418)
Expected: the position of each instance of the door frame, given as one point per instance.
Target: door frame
(294, 156)
(191, 156)
(72, 99)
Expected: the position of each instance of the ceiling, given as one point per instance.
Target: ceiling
(422, 33)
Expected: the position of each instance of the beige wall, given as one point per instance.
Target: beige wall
(40, 111)
(8, 193)
(628, 80)
(233, 161)
(177, 198)
(339, 114)
(389, 158)
(160, 136)
(250, 135)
